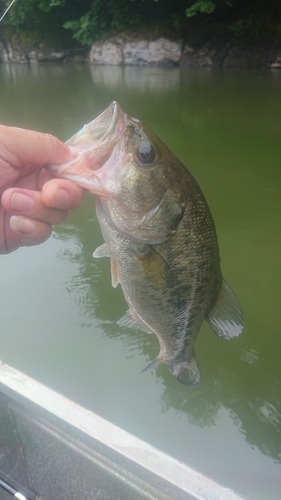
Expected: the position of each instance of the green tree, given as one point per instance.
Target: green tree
(89, 20)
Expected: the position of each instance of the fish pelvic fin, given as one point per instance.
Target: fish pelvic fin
(187, 371)
(226, 316)
(101, 252)
(115, 279)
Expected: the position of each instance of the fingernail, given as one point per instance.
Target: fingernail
(22, 225)
(21, 202)
(61, 199)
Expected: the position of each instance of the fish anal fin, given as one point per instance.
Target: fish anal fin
(186, 371)
(226, 316)
(129, 321)
(101, 251)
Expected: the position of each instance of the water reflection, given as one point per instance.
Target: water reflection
(257, 413)
(18, 74)
(258, 419)
(225, 126)
(140, 79)
(84, 283)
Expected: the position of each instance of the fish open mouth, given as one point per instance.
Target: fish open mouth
(102, 129)
(93, 144)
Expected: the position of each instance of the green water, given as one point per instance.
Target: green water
(58, 309)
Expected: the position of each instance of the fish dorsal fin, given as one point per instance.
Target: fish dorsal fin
(130, 322)
(226, 316)
(101, 251)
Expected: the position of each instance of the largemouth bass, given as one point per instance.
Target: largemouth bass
(159, 234)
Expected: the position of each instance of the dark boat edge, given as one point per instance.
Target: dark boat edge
(50, 447)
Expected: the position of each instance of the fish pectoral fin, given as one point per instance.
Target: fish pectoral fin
(226, 316)
(152, 263)
(101, 251)
(187, 371)
(129, 321)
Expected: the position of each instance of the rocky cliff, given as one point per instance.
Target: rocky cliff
(126, 50)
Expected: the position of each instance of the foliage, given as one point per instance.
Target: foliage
(103, 17)
(89, 20)
(200, 6)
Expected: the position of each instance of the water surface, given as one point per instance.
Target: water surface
(58, 311)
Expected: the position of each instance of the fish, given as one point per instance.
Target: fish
(159, 235)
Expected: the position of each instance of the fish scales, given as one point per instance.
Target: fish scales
(160, 237)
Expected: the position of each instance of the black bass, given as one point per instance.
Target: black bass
(159, 234)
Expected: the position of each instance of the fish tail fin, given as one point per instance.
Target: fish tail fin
(187, 371)
(226, 316)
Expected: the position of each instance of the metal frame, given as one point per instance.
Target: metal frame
(53, 449)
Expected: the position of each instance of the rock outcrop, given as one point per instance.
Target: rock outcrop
(3, 54)
(108, 52)
(194, 58)
(17, 53)
(128, 50)
(118, 51)
(161, 52)
(252, 57)
(164, 52)
(46, 54)
(276, 63)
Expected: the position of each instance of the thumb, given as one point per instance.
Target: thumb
(20, 147)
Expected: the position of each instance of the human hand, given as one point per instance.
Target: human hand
(32, 200)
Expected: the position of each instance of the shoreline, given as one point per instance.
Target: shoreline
(124, 50)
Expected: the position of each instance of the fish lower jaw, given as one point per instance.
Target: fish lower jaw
(88, 182)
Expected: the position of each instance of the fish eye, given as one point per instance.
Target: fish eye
(146, 153)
